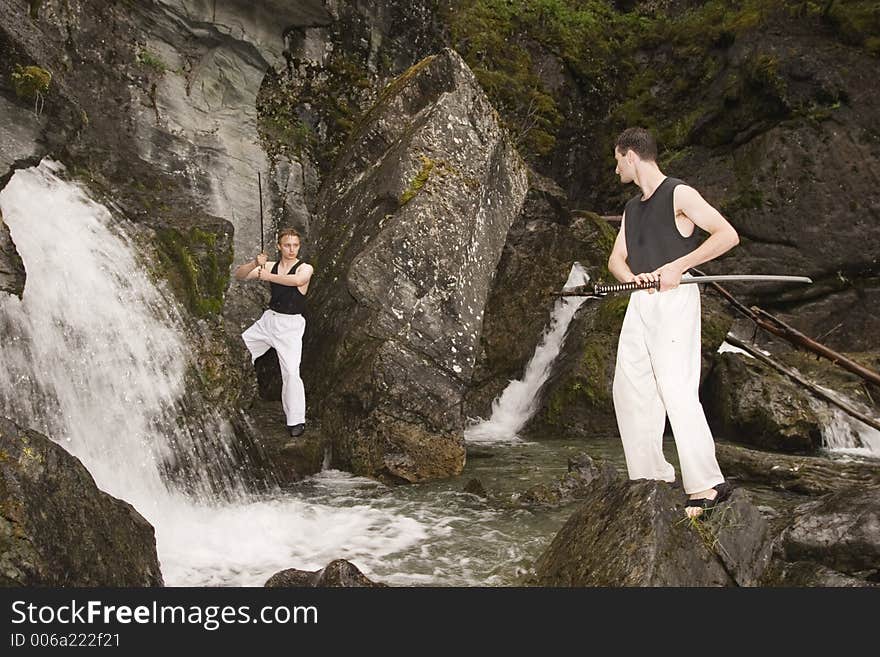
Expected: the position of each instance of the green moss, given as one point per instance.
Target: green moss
(291, 110)
(31, 82)
(855, 21)
(419, 181)
(196, 267)
(151, 60)
(497, 40)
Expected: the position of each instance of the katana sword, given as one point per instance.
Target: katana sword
(601, 289)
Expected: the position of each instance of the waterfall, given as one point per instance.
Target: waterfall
(94, 356)
(845, 434)
(516, 405)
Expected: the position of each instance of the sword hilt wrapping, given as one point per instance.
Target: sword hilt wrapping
(626, 287)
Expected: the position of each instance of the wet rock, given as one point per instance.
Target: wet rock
(475, 487)
(748, 402)
(741, 538)
(809, 573)
(286, 460)
(583, 471)
(841, 531)
(58, 529)
(635, 534)
(410, 228)
(12, 274)
(338, 573)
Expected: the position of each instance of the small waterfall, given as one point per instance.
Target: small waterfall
(845, 434)
(94, 356)
(513, 408)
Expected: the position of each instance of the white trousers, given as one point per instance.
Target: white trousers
(658, 374)
(284, 333)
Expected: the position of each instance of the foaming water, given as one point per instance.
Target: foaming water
(242, 544)
(847, 435)
(516, 405)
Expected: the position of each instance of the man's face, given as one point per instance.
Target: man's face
(625, 166)
(289, 246)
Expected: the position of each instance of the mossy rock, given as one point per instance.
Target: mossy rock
(31, 82)
(197, 262)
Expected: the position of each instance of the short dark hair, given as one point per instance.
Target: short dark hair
(638, 140)
(289, 232)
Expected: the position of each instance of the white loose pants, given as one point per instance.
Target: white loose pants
(284, 333)
(658, 374)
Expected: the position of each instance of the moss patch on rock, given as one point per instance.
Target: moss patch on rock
(196, 266)
(31, 82)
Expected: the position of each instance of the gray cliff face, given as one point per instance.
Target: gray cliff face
(58, 529)
(799, 183)
(410, 229)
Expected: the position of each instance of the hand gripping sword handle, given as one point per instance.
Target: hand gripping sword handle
(626, 287)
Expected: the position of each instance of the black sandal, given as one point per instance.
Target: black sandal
(723, 491)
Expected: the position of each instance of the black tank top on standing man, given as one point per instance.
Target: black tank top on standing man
(652, 238)
(287, 299)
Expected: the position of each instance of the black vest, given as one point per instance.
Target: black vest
(287, 299)
(652, 239)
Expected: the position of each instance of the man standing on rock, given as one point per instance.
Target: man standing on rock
(658, 355)
(283, 324)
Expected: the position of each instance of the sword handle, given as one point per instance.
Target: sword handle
(626, 287)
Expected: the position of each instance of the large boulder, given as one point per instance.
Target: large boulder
(635, 534)
(749, 402)
(58, 529)
(841, 532)
(338, 573)
(410, 228)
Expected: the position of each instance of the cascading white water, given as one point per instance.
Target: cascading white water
(845, 434)
(513, 408)
(94, 357)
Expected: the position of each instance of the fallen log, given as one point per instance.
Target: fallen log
(811, 475)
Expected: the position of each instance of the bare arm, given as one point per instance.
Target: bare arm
(617, 260)
(722, 236)
(300, 278)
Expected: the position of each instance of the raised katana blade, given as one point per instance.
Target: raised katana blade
(600, 289)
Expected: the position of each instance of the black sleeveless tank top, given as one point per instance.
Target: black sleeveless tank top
(652, 239)
(287, 299)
